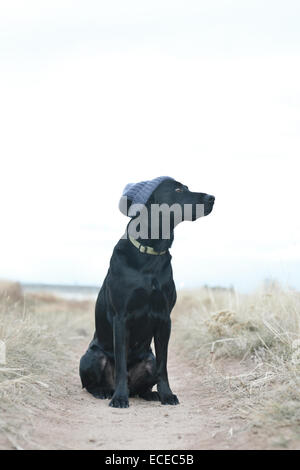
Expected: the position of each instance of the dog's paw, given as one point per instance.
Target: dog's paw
(169, 400)
(150, 396)
(102, 394)
(119, 402)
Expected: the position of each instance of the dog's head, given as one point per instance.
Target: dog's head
(171, 193)
(158, 206)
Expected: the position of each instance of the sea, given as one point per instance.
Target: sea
(75, 292)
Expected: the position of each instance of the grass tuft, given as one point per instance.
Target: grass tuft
(251, 345)
(38, 332)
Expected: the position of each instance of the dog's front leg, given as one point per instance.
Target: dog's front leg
(161, 341)
(120, 396)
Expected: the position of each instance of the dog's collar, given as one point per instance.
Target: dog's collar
(145, 249)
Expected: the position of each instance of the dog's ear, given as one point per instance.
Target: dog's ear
(151, 200)
(124, 205)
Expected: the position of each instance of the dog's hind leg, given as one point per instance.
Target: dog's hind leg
(96, 372)
(142, 377)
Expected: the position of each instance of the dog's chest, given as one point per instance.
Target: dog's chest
(149, 299)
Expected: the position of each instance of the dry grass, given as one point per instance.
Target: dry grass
(39, 333)
(251, 347)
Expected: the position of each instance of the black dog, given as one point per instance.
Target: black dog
(133, 307)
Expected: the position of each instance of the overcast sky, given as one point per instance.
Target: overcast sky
(96, 94)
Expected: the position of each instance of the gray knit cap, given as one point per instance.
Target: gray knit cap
(139, 193)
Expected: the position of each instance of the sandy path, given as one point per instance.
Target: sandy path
(79, 421)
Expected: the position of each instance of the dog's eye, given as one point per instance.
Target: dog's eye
(179, 190)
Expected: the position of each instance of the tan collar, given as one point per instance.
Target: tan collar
(145, 249)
